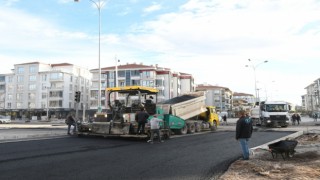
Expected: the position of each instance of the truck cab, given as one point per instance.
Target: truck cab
(275, 113)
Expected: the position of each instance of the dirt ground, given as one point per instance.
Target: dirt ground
(304, 165)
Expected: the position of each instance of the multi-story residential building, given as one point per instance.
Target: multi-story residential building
(243, 101)
(36, 89)
(220, 97)
(187, 83)
(167, 82)
(312, 98)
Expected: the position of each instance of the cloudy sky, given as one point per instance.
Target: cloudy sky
(210, 39)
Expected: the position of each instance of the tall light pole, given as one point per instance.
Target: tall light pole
(99, 4)
(254, 67)
(116, 74)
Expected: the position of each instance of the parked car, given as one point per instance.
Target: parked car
(5, 119)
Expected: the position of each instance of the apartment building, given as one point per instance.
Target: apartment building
(243, 101)
(35, 89)
(164, 79)
(220, 97)
(311, 100)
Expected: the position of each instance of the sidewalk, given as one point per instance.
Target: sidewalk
(19, 130)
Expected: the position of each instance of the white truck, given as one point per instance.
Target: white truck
(255, 115)
(274, 113)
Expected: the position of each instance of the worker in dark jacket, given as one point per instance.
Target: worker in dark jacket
(142, 118)
(243, 133)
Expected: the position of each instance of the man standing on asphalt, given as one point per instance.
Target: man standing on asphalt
(243, 133)
(70, 121)
(141, 117)
(155, 128)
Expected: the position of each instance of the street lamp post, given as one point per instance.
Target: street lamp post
(254, 67)
(99, 4)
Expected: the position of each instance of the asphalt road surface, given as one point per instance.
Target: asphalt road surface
(193, 157)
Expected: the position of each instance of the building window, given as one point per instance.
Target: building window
(19, 96)
(44, 77)
(19, 105)
(216, 92)
(94, 84)
(20, 87)
(56, 76)
(121, 83)
(135, 82)
(44, 86)
(44, 95)
(56, 94)
(20, 70)
(148, 74)
(32, 69)
(121, 74)
(10, 79)
(32, 96)
(19, 79)
(31, 105)
(111, 84)
(148, 83)
(104, 76)
(10, 88)
(10, 96)
(2, 78)
(135, 73)
(55, 103)
(111, 75)
(32, 87)
(2, 87)
(103, 84)
(9, 105)
(94, 94)
(32, 78)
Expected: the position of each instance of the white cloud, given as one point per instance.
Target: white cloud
(152, 8)
(9, 2)
(213, 40)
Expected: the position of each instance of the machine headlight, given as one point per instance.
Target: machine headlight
(268, 121)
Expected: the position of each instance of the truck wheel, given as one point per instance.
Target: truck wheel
(183, 130)
(214, 126)
(191, 128)
(197, 127)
